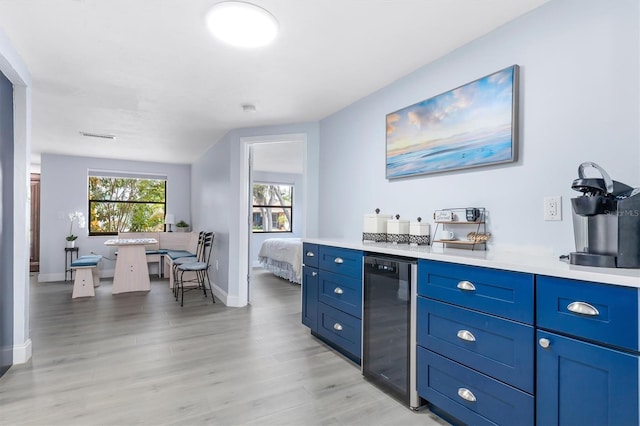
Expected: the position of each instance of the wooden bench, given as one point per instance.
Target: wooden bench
(87, 275)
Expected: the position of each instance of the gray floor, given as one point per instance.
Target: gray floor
(140, 358)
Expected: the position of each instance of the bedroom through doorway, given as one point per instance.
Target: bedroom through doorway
(275, 206)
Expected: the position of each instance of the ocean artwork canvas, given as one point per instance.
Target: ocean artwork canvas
(470, 126)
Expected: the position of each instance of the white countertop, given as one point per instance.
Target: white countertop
(130, 241)
(511, 261)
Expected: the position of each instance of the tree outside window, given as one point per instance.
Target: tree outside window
(126, 205)
(272, 207)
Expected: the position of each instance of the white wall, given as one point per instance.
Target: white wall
(216, 204)
(12, 66)
(298, 195)
(64, 190)
(579, 101)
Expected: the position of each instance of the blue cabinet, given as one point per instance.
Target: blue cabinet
(587, 353)
(310, 297)
(332, 297)
(580, 383)
(497, 347)
(476, 343)
(310, 286)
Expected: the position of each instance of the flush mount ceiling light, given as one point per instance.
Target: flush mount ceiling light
(242, 24)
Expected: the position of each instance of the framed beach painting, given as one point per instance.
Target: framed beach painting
(470, 126)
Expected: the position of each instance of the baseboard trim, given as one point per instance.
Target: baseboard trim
(45, 278)
(22, 353)
(233, 302)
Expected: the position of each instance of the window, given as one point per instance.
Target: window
(272, 207)
(126, 204)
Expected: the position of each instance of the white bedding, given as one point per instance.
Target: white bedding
(283, 257)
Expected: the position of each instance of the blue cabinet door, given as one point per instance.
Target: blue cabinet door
(310, 297)
(579, 383)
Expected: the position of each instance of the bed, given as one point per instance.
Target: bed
(282, 257)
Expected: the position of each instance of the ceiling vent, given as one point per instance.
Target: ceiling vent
(97, 135)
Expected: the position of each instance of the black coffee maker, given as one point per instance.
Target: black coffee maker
(606, 221)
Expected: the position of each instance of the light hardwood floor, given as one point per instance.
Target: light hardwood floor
(140, 358)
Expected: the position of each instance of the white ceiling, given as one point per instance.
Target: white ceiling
(148, 72)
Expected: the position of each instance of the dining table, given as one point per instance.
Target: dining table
(132, 272)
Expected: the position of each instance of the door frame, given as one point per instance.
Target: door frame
(245, 222)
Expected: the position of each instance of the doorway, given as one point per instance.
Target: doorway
(34, 231)
(281, 159)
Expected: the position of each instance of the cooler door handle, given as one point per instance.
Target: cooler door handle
(583, 308)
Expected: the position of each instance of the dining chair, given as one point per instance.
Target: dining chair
(186, 259)
(201, 269)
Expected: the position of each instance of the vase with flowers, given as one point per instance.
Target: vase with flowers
(71, 238)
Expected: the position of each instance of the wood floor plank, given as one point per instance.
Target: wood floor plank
(141, 359)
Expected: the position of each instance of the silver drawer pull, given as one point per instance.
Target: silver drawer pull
(338, 290)
(466, 286)
(466, 335)
(466, 394)
(313, 274)
(338, 260)
(583, 308)
(544, 343)
(337, 327)
(310, 254)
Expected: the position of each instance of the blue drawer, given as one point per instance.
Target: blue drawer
(615, 322)
(341, 292)
(341, 329)
(341, 261)
(503, 293)
(310, 255)
(498, 347)
(446, 384)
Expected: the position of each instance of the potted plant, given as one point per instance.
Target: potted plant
(182, 226)
(71, 239)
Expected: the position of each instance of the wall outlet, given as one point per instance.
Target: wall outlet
(553, 208)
